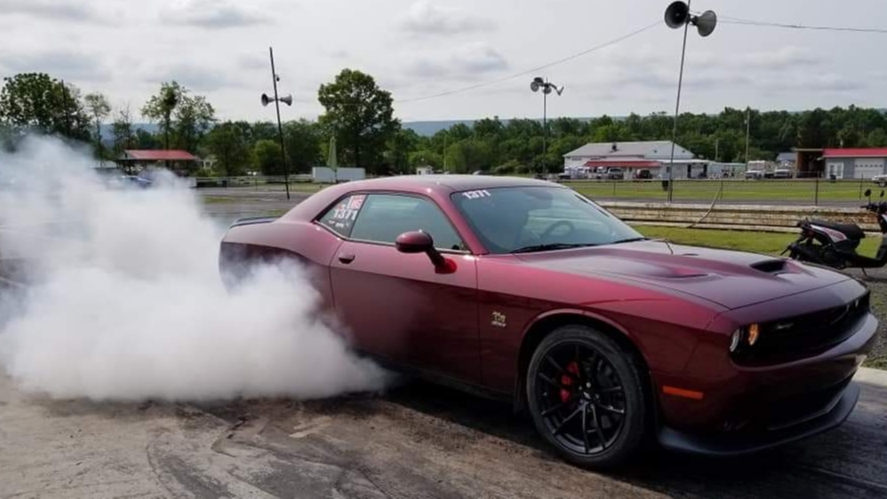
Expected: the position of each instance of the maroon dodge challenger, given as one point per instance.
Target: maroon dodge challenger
(527, 291)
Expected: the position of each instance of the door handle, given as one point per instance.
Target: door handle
(346, 258)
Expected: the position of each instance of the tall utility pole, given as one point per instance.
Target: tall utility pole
(547, 87)
(677, 110)
(747, 134)
(286, 169)
(678, 15)
(717, 150)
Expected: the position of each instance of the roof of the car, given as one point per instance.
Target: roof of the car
(453, 183)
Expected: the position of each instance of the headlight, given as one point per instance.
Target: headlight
(745, 337)
(735, 340)
(753, 332)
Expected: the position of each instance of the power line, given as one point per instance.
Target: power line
(533, 70)
(749, 22)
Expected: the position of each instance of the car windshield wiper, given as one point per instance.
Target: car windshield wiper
(551, 247)
(630, 240)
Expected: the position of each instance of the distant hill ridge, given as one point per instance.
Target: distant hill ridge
(423, 128)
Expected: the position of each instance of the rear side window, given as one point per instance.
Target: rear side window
(383, 217)
(341, 217)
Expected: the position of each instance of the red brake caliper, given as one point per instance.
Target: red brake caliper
(567, 381)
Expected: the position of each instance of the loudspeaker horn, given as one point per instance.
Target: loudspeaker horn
(288, 100)
(706, 23)
(266, 100)
(677, 14)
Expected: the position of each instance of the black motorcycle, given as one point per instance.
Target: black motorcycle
(834, 244)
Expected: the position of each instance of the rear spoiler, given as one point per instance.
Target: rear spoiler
(253, 221)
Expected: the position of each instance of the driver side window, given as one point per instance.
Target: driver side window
(383, 217)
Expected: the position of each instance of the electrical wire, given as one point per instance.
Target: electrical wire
(749, 22)
(533, 70)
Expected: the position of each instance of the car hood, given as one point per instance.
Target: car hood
(731, 279)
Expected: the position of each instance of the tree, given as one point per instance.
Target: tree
(425, 157)
(228, 143)
(266, 157)
(399, 147)
(194, 117)
(36, 101)
(303, 144)
(160, 108)
(361, 116)
(98, 107)
(121, 129)
(469, 155)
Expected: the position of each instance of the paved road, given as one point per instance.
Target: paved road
(418, 441)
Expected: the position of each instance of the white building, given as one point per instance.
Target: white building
(635, 156)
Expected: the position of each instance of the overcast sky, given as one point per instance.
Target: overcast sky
(219, 48)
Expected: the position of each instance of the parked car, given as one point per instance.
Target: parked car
(615, 174)
(881, 180)
(782, 173)
(754, 175)
(643, 175)
(607, 339)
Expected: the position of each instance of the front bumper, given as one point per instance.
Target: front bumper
(746, 408)
(730, 445)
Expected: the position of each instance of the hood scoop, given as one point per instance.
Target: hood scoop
(770, 266)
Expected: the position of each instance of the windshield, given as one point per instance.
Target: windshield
(512, 219)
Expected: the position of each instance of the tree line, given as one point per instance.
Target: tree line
(360, 115)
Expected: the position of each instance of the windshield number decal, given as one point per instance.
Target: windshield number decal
(476, 194)
(345, 214)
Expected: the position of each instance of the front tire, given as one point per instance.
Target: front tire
(586, 398)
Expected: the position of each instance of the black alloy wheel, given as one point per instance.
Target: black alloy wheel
(585, 397)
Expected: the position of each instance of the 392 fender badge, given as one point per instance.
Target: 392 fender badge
(499, 320)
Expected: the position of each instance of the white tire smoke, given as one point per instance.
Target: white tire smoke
(126, 302)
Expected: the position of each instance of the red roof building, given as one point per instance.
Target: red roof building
(152, 155)
(862, 163)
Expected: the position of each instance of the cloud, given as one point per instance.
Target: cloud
(65, 64)
(814, 82)
(465, 62)
(193, 77)
(428, 18)
(782, 58)
(212, 14)
(253, 62)
(50, 9)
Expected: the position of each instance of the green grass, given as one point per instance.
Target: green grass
(755, 242)
(877, 363)
(218, 199)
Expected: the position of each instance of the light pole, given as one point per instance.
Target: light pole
(288, 100)
(547, 87)
(678, 15)
(747, 134)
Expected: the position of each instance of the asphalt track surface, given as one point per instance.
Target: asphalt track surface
(415, 441)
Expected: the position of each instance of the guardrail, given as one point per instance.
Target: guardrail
(736, 217)
(802, 191)
(250, 181)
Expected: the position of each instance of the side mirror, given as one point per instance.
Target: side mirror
(882, 194)
(422, 242)
(868, 193)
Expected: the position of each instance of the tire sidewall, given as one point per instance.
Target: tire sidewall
(635, 424)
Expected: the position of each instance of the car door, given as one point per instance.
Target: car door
(396, 306)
